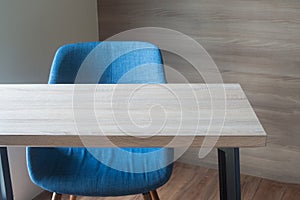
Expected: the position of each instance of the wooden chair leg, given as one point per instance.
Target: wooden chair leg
(154, 195)
(56, 196)
(72, 197)
(147, 196)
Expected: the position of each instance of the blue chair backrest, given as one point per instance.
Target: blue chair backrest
(109, 62)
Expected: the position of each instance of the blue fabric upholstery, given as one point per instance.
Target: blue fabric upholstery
(75, 170)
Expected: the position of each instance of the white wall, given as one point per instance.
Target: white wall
(30, 33)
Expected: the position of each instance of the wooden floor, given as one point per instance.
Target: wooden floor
(190, 182)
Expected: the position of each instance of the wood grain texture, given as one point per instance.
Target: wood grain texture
(275, 190)
(124, 115)
(255, 43)
(194, 182)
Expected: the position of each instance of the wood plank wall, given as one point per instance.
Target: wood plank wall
(255, 43)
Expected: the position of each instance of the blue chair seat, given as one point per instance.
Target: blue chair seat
(76, 171)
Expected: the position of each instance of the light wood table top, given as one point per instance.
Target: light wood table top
(134, 115)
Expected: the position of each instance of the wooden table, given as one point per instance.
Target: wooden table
(132, 115)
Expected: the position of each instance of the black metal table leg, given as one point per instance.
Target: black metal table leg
(229, 173)
(5, 181)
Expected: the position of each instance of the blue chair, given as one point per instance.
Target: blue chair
(75, 171)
